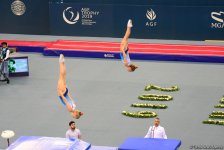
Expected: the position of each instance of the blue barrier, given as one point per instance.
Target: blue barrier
(134, 143)
(136, 56)
(37, 49)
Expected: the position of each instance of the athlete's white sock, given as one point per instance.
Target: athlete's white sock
(61, 59)
(129, 24)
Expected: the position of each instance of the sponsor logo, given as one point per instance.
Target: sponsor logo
(85, 15)
(18, 8)
(109, 55)
(218, 19)
(70, 16)
(151, 16)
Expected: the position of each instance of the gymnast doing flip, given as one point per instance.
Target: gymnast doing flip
(63, 92)
(124, 54)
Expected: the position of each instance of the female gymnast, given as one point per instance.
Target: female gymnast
(63, 92)
(124, 49)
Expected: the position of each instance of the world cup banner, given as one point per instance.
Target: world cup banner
(81, 19)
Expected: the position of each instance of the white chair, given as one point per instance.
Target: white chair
(7, 134)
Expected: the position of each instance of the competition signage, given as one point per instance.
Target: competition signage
(85, 15)
(218, 19)
(149, 21)
(80, 19)
(151, 16)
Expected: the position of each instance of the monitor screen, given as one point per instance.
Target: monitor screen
(18, 66)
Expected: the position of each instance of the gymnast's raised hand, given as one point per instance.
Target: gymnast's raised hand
(124, 54)
(63, 92)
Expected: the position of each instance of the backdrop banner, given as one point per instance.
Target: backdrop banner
(182, 20)
(153, 22)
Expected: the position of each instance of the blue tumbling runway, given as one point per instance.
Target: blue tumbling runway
(134, 143)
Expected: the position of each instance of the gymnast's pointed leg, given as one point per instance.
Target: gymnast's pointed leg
(62, 71)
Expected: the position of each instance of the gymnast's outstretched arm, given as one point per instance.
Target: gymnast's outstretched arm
(66, 103)
(73, 102)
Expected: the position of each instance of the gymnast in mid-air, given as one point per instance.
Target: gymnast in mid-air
(63, 92)
(124, 49)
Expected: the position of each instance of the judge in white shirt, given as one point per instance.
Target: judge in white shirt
(156, 131)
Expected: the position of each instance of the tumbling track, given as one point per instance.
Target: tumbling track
(140, 51)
